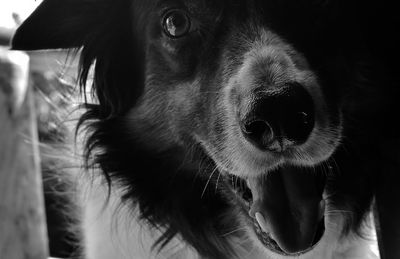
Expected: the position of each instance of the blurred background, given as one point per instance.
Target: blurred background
(13, 12)
(52, 79)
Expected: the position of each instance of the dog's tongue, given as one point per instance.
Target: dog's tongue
(287, 205)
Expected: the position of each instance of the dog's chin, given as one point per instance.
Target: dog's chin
(283, 209)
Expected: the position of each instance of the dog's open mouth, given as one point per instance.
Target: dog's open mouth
(285, 207)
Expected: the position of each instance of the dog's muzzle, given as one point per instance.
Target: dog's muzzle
(286, 202)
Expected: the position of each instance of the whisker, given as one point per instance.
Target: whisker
(208, 181)
(216, 185)
(233, 231)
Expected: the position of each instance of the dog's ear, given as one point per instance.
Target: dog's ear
(59, 24)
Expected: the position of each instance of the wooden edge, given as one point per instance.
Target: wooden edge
(22, 217)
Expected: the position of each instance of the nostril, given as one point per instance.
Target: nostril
(256, 127)
(259, 132)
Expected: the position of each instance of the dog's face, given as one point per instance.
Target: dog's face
(258, 85)
(218, 75)
(222, 76)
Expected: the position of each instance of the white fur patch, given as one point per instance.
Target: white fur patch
(114, 231)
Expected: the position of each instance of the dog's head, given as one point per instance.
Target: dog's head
(259, 88)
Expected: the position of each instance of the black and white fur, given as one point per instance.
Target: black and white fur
(163, 139)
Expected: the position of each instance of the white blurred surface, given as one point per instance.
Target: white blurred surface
(20, 7)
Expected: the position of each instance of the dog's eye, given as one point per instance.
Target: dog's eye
(176, 23)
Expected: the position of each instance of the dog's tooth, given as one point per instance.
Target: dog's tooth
(261, 222)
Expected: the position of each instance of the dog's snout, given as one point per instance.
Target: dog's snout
(279, 118)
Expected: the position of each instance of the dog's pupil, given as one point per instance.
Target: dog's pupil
(177, 24)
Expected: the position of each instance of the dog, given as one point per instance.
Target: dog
(226, 129)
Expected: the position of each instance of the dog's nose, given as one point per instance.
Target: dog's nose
(279, 118)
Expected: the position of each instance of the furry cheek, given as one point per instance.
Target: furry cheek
(163, 118)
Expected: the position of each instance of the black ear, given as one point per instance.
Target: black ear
(59, 24)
